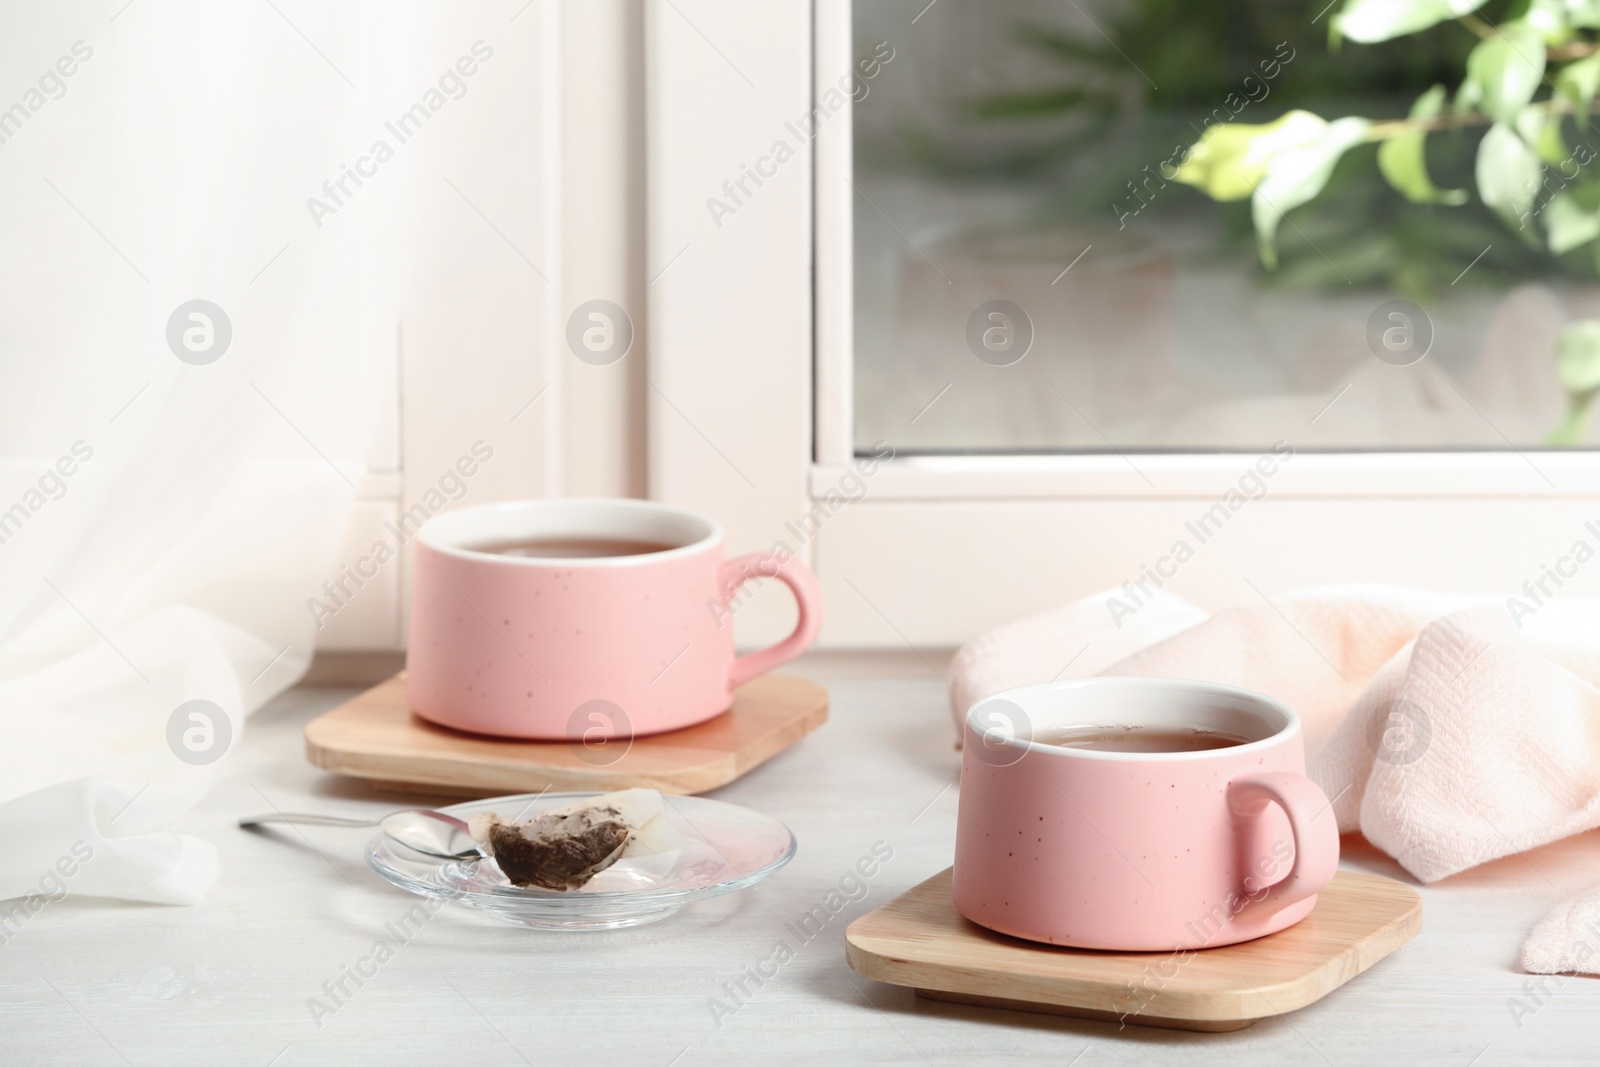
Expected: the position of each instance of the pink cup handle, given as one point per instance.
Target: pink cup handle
(1316, 837)
(808, 598)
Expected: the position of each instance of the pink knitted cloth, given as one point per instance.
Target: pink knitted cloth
(1449, 730)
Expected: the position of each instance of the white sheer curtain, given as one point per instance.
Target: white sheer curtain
(163, 519)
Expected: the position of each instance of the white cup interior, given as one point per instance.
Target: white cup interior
(466, 531)
(1018, 716)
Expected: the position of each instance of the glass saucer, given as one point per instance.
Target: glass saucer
(727, 848)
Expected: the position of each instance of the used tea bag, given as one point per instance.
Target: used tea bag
(565, 847)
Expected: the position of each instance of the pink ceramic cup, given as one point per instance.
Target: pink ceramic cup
(590, 649)
(1138, 852)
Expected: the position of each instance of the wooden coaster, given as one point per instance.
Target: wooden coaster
(375, 736)
(920, 940)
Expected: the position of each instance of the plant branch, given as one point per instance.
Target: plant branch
(1387, 128)
(1575, 50)
(1557, 52)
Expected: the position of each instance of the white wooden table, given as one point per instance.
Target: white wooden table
(93, 982)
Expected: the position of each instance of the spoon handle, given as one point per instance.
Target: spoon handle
(304, 819)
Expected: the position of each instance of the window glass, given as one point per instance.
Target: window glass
(1216, 224)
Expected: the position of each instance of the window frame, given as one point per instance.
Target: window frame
(941, 546)
(1434, 472)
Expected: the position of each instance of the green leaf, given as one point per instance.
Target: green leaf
(1578, 82)
(1569, 224)
(1295, 175)
(1046, 103)
(1576, 422)
(1542, 131)
(1230, 159)
(1369, 21)
(1582, 13)
(1506, 70)
(1578, 368)
(1507, 174)
(1552, 19)
(1578, 356)
(1402, 159)
(1064, 46)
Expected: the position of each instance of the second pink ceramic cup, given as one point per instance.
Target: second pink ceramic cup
(1138, 851)
(585, 649)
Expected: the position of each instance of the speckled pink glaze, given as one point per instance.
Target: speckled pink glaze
(549, 648)
(1135, 851)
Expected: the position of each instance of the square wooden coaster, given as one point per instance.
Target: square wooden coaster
(375, 736)
(920, 940)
